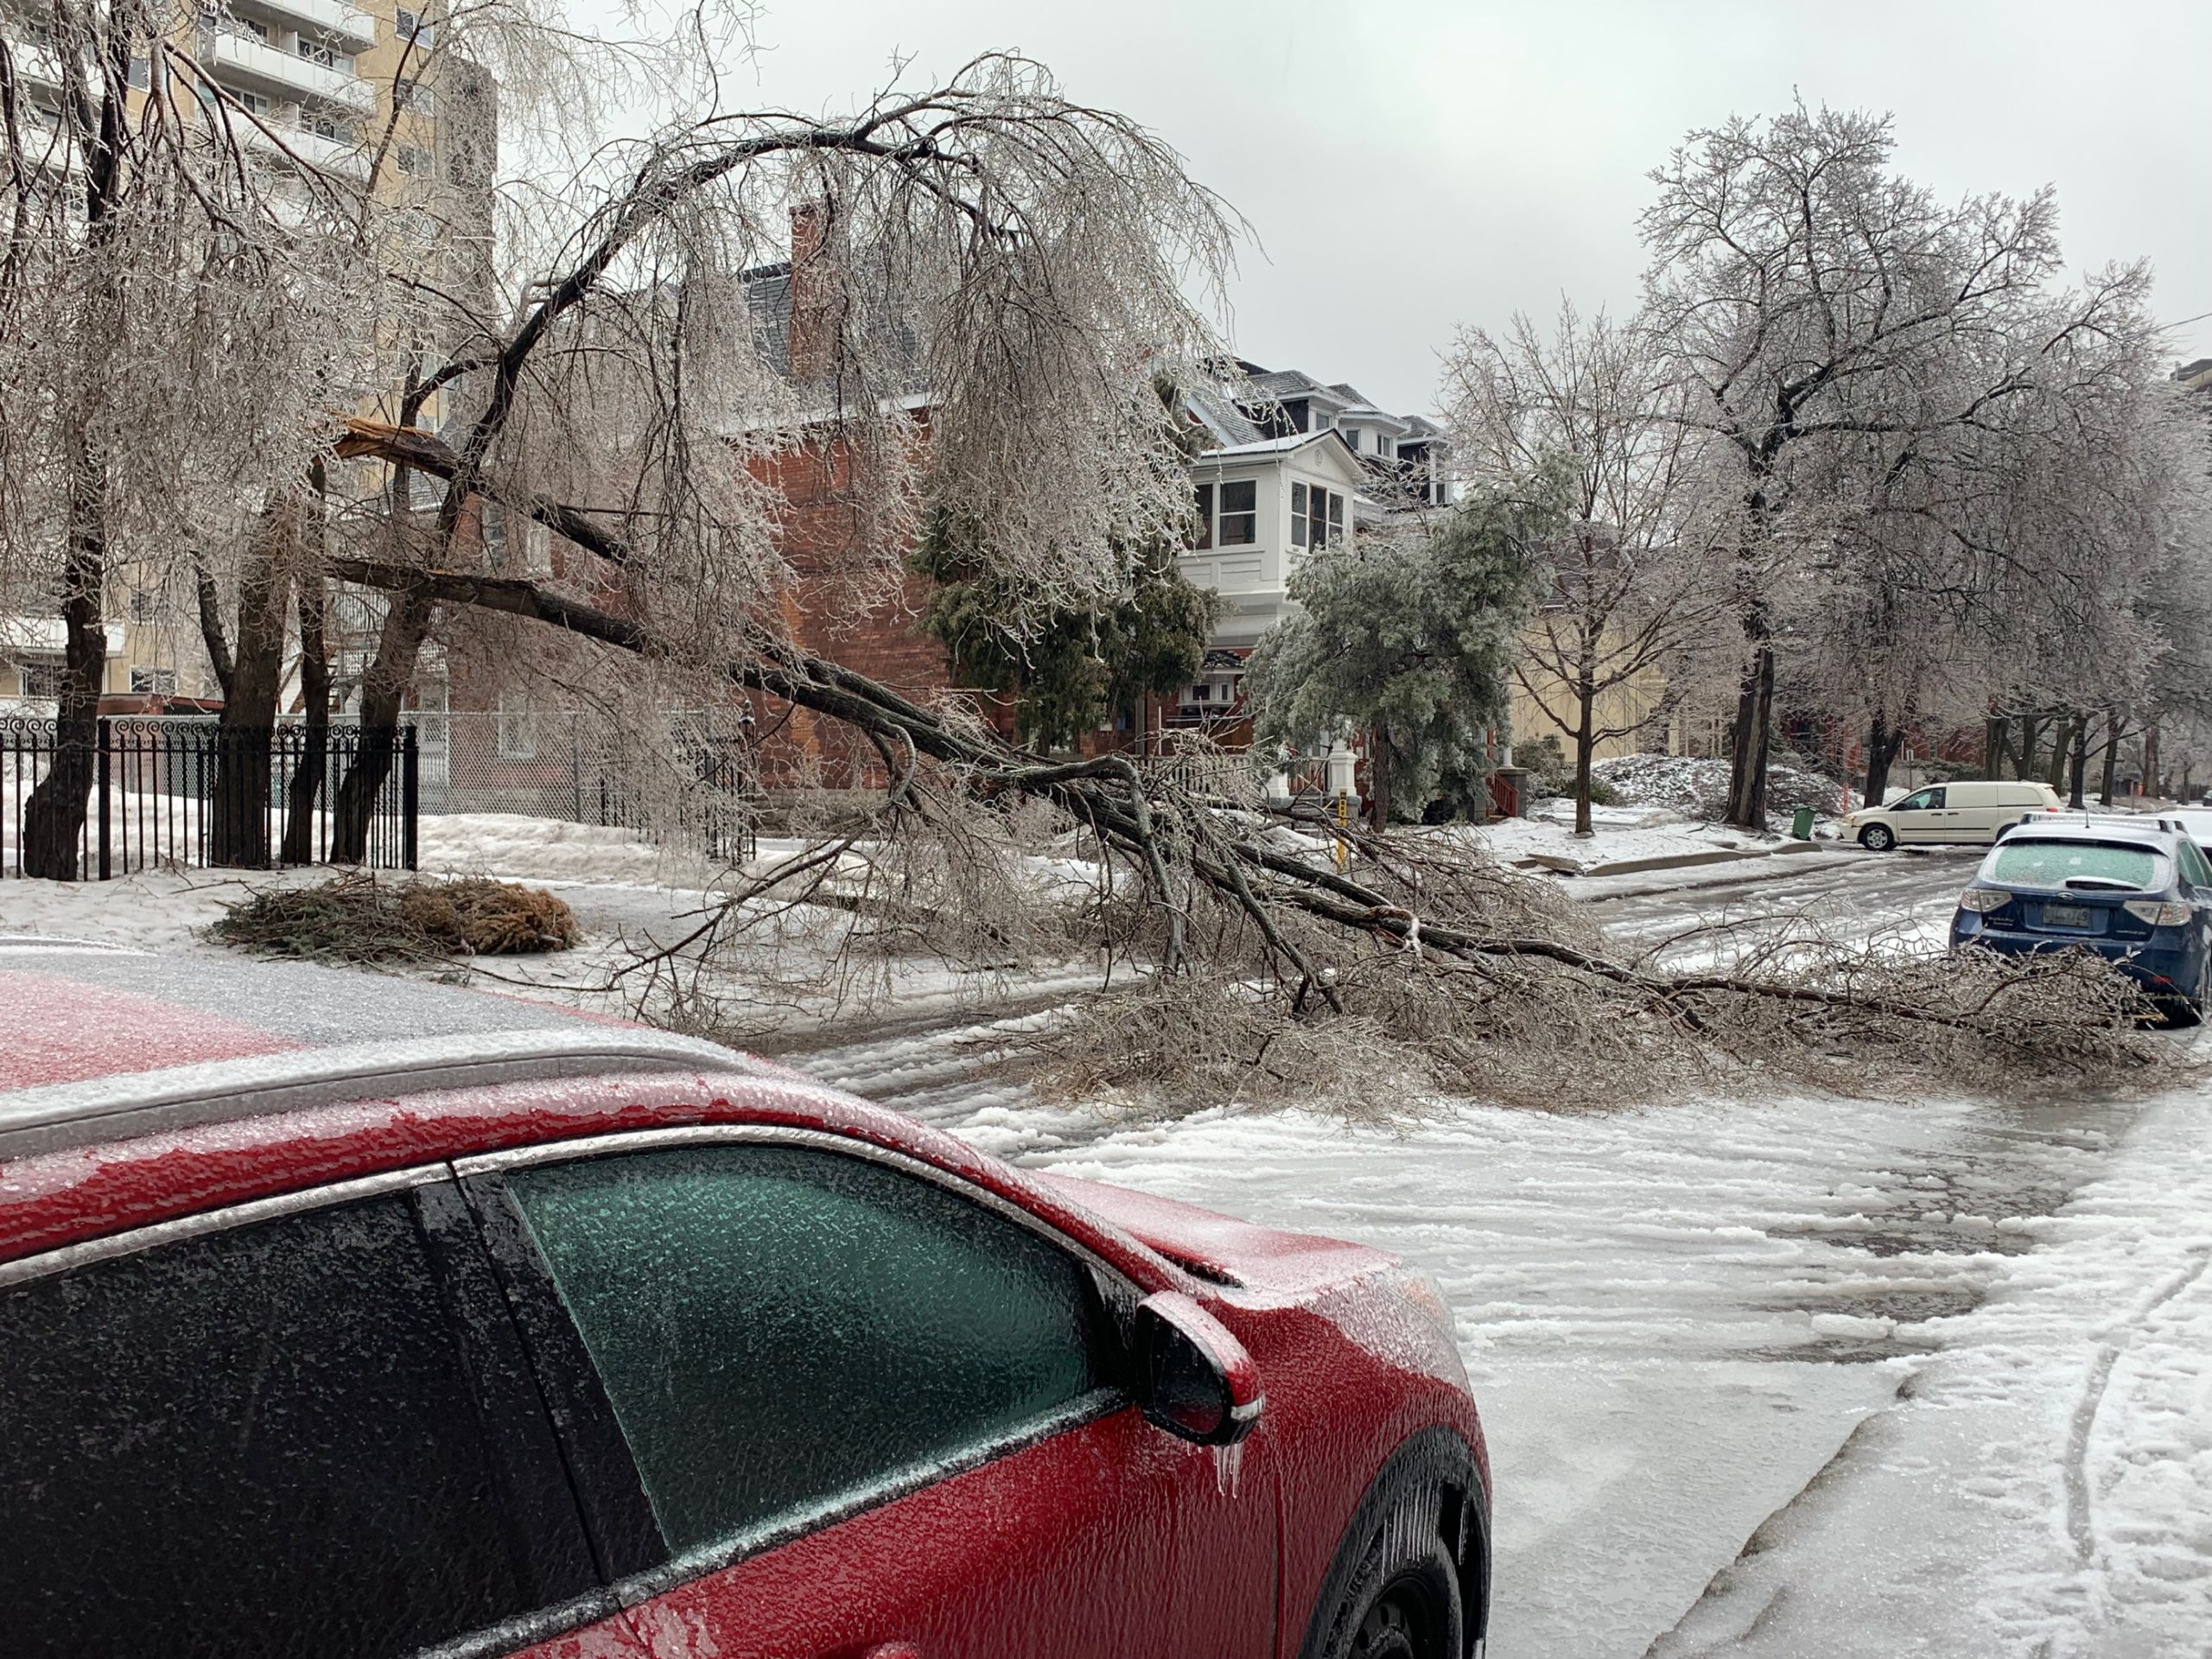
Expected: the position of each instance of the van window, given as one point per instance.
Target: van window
(1926, 800)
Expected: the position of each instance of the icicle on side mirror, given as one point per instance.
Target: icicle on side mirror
(1194, 1378)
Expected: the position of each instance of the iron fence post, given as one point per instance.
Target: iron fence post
(410, 798)
(106, 739)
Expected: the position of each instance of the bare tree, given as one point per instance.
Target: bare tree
(1834, 321)
(981, 280)
(1629, 587)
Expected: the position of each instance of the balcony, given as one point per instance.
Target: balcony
(343, 27)
(37, 64)
(260, 67)
(340, 158)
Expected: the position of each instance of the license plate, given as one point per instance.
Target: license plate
(2065, 915)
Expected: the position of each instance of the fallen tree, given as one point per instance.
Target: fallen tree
(1430, 965)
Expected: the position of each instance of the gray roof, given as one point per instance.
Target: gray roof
(1228, 424)
(768, 297)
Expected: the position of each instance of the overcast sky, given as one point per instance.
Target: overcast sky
(1413, 166)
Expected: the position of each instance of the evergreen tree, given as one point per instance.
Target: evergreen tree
(1410, 638)
(1071, 667)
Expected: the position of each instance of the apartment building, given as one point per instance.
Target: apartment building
(361, 97)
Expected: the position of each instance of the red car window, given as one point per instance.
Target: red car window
(785, 1333)
(258, 1440)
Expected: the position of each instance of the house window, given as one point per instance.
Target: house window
(1201, 693)
(1240, 516)
(1336, 517)
(1206, 517)
(1298, 515)
(517, 728)
(153, 682)
(537, 550)
(1317, 517)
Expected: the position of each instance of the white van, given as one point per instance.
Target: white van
(1973, 813)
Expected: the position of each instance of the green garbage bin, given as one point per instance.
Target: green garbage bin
(1800, 825)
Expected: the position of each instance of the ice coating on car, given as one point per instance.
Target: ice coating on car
(63, 1029)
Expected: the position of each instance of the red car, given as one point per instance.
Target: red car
(344, 1315)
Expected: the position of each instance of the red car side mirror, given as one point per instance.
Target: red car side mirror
(1196, 1379)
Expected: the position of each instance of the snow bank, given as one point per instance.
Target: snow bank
(1698, 788)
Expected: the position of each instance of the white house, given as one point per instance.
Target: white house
(1295, 465)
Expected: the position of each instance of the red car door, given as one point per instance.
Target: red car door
(872, 1412)
(1110, 1540)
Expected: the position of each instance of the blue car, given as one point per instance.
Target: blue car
(2142, 898)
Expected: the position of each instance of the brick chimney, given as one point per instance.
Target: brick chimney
(817, 300)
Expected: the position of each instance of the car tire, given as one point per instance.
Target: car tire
(2182, 1013)
(1876, 838)
(1400, 1588)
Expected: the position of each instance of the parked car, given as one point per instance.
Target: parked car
(362, 1317)
(1973, 812)
(2194, 821)
(2141, 897)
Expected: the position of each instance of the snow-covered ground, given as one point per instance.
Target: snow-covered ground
(1796, 1376)
(1620, 834)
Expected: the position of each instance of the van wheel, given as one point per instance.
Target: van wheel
(1876, 838)
(2003, 831)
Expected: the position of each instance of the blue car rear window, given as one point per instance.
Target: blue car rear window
(2053, 863)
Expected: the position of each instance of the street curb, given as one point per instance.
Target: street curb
(1559, 865)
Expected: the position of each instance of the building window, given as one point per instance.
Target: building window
(412, 94)
(1206, 517)
(495, 536)
(145, 605)
(517, 728)
(407, 25)
(153, 682)
(42, 680)
(408, 159)
(537, 550)
(1298, 515)
(329, 126)
(1201, 693)
(141, 73)
(318, 52)
(1319, 504)
(252, 103)
(1240, 517)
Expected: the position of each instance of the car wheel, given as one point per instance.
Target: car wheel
(2182, 1012)
(1876, 838)
(1410, 1563)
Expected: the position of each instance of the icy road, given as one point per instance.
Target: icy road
(1778, 1377)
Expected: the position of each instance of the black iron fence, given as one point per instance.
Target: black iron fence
(177, 792)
